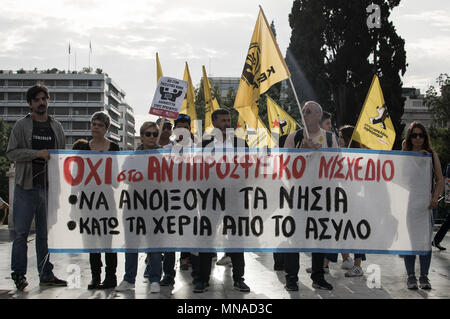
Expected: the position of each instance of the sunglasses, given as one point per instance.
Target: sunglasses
(167, 126)
(183, 117)
(148, 134)
(417, 135)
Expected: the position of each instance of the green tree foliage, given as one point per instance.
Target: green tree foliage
(331, 57)
(225, 103)
(439, 106)
(5, 130)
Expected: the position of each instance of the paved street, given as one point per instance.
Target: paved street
(259, 275)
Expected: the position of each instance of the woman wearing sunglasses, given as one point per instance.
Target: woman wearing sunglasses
(149, 135)
(417, 140)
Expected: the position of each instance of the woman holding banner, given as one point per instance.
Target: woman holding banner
(417, 140)
(100, 122)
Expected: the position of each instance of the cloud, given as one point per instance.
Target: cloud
(437, 18)
(437, 47)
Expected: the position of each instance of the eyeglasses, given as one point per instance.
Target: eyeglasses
(148, 134)
(417, 135)
(167, 126)
(308, 112)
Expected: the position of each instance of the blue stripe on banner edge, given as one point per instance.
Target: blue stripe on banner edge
(247, 150)
(231, 250)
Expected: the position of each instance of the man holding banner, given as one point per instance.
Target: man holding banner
(28, 145)
(318, 138)
(202, 263)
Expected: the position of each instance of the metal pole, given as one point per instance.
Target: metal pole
(305, 129)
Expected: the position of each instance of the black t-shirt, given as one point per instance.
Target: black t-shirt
(43, 138)
(84, 146)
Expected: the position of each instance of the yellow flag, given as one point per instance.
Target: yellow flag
(188, 106)
(258, 137)
(264, 66)
(159, 72)
(374, 128)
(280, 122)
(211, 103)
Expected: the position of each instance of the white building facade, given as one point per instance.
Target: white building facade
(74, 98)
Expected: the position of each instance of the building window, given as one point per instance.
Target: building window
(15, 111)
(2, 82)
(66, 126)
(80, 97)
(62, 110)
(2, 110)
(80, 125)
(114, 130)
(49, 82)
(79, 111)
(94, 97)
(92, 110)
(80, 83)
(30, 83)
(15, 96)
(2, 96)
(61, 96)
(13, 83)
(62, 82)
(95, 83)
(113, 102)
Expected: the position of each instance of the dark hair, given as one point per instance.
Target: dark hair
(102, 117)
(183, 118)
(219, 112)
(80, 141)
(347, 132)
(35, 90)
(407, 146)
(325, 116)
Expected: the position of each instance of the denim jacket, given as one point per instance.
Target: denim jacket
(21, 152)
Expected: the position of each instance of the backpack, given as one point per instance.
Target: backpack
(298, 138)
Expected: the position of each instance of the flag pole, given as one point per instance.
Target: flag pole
(163, 121)
(90, 51)
(284, 62)
(68, 60)
(299, 108)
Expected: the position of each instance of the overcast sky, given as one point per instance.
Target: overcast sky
(125, 36)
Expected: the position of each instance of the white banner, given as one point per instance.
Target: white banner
(168, 98)
(328, 200)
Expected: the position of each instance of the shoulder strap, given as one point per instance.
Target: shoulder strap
(298, 138)
(329, 136)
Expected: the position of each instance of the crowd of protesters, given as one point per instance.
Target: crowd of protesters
(36, 133)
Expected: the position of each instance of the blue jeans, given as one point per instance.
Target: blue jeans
(131, 266)
(28, 204)
(410, 261)
(424, 260)
(169, 264)
(155, 267)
